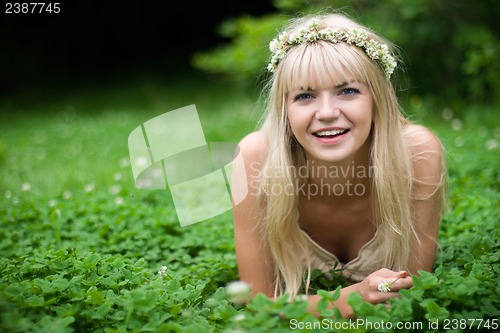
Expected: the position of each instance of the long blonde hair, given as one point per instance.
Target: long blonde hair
(327, 64)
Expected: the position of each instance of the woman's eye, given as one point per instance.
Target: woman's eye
(349, 91)
(302, 96)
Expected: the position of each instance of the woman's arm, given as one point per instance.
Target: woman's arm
(255, 266)
(427, 160)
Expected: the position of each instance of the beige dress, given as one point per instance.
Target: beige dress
(368, 260)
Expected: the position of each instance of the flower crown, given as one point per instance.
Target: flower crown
(312, 32)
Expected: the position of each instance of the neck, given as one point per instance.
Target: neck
(346, 178)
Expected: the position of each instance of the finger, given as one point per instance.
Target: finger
(405, 283)
(386, 273)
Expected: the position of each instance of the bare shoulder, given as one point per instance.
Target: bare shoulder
(251, 153)
(422, 140)
(427, 157)
(254, 140)
(253, 147)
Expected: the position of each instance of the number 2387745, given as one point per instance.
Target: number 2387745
(32, 8)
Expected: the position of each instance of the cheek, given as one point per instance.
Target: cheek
(362, 120)
(296, 122)
(366, 118)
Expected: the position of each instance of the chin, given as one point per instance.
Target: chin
(332, 158)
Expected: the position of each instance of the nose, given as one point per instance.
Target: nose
(328, 108)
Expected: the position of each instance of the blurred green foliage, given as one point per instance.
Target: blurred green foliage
(450, 48)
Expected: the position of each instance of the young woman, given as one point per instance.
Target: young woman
(336, 175)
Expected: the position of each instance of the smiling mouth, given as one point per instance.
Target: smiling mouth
(330, 134)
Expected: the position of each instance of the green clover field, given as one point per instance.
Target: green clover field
(83, 250)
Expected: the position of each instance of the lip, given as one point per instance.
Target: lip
(334, 140)
(329, 129)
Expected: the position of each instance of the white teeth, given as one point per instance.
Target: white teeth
(332, 132)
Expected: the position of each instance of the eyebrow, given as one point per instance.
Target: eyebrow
(342, 85)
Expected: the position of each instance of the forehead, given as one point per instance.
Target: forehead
(320, 65)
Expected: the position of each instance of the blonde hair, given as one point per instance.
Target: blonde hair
(324, 64)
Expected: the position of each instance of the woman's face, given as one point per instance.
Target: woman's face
(331, 124)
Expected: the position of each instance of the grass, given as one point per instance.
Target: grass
(68, 195)
(79, 138)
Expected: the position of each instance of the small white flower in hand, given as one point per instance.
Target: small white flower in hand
(384, 286)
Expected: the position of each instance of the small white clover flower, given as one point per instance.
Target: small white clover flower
(124, 162)
(390, 68)
(26, 187)
(447, 114)
(491, 144)
(67, 195)
(118, 201)
(338, 34)
(89, 187)
(459, 141)
(238, 291)
(384, 286)
(162, 271)
(282, 37)
(313, 24)
(114, 189)
(359, 37)
(303, 31)
(311, 37)
(239, 317)
(294, 38)
(456, 124)
(372, 49)
(327, 34)
(273, 45)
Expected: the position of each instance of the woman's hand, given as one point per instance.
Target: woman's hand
(390, 283)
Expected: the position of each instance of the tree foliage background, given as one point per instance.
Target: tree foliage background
(450, 48)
